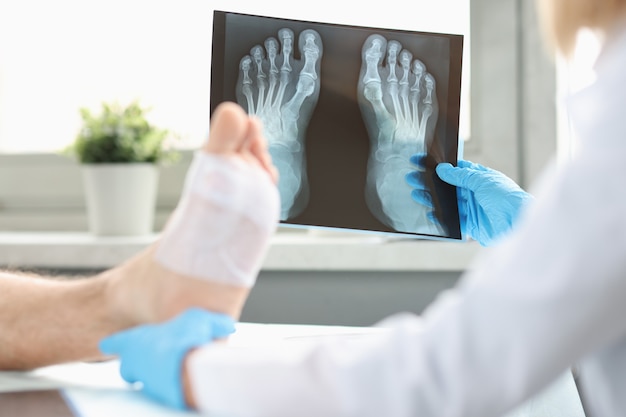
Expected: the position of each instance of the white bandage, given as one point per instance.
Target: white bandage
(221, 229)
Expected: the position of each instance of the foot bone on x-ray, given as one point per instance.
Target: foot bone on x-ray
(399, 106)
(283, 91)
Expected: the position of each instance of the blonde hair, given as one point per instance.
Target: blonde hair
(561, 20)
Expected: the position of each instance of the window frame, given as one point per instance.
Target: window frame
(514, 76)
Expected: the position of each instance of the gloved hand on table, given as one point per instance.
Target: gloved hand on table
(489, 201)
(153, 354)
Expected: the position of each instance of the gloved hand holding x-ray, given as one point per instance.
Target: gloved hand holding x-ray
(489, 201)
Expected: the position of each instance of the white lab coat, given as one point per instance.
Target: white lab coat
(550, 296)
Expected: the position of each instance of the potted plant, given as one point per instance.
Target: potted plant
(119, 152)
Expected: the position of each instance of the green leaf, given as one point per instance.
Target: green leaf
(119, 135)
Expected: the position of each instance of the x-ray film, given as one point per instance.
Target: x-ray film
(344, 108)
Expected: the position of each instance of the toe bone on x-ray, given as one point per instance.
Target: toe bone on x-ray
(274, 86)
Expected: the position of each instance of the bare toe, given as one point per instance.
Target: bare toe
(229, 129)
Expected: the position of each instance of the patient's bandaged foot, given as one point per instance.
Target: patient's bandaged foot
(221, 229)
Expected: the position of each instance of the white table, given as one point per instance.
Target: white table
(96, 390)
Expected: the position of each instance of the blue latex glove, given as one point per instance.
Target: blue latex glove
(153, 354)
(489, 201)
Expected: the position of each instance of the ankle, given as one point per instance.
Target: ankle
(118, 297)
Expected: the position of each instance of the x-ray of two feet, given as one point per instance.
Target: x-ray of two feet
(398, 103)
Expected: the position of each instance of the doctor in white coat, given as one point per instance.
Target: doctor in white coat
(551, 294)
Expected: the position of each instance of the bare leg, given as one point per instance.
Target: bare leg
(46, 321)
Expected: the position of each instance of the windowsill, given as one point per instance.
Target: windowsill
(289, 251)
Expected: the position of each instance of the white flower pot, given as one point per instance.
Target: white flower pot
(121, 198)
